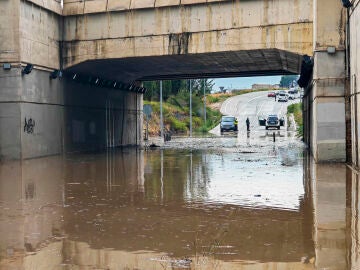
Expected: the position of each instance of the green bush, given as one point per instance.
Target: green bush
(176, 125)
(197, 121)
(203, 129)
(293, 108)
(212, 99)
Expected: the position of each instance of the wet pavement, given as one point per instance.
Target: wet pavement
(267, 206)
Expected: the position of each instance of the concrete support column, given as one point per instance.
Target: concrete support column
(328, 136)
(31, 114)
(328, 107)
(10, 83)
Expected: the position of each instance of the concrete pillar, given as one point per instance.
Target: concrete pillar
(10, 115)
(30, 104)
(328, 138)
(10, 84)
(31, 114)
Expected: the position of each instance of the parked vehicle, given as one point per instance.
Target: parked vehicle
(228, 123)
(271, 94)
(283, 97)
(292, 94)
(272, 121)
(294, 90)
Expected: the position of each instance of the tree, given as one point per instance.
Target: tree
(172, 88)
(287, 80)
(198, 86)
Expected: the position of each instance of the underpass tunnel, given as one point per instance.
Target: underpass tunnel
(105, 96)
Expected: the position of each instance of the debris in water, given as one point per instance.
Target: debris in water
(305, 259)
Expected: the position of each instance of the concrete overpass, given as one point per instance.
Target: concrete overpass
(126, 41)
(152, 39)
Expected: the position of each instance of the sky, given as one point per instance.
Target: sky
(244, 82)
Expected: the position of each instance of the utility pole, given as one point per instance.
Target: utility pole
(161, 113)
(205, 101)
(190, 109)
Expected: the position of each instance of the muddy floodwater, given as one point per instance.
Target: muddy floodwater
(228, 207)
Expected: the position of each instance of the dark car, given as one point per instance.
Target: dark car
(228, 123)
(272, 121)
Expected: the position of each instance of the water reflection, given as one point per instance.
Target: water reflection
(229, 178)
(172, 209)
(31, 211)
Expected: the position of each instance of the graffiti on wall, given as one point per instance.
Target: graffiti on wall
(29, 126)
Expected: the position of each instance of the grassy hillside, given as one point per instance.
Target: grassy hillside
(176, 115)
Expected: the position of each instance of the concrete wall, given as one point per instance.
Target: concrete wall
(51, 5)
(40, 33)
(355, 80)
(73, 7)
(9, 31)
(99, 117)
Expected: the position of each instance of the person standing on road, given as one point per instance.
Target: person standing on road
(275, 96)
(247, 124)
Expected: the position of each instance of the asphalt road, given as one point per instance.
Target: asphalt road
(255, 105)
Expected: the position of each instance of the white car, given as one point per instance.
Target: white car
(283, 97)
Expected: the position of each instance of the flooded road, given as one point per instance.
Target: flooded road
(254, 106)
(173, 208)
